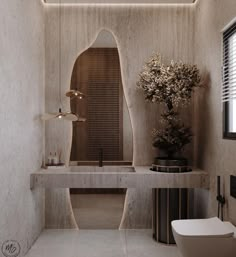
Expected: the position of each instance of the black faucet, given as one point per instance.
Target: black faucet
(100, 164)
(221, 200)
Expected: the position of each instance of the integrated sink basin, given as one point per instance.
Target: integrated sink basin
(104, 163)
(105, 169)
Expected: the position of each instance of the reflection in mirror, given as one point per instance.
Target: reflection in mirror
(106, 136)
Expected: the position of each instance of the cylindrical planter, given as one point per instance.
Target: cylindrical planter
(171, 165)
(169, 203)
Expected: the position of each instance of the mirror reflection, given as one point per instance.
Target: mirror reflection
(106, 136)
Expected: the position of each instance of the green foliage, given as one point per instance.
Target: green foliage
(173, 135)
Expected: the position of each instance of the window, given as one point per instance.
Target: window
(229, 82)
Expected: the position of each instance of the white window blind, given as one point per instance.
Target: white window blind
(229, 64)
(229, 81)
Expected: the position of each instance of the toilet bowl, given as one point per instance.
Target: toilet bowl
(205, 237)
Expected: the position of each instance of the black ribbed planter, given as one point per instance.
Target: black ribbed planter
(165, 164)
(169, 203)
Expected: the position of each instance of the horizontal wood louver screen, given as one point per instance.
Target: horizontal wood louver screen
(98, 76)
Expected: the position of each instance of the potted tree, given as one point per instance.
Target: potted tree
(172, 86)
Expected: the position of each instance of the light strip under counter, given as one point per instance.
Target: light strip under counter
(101, 177)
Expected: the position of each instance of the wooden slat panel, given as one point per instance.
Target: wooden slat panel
(97, 74)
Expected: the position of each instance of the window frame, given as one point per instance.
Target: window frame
(226, 133)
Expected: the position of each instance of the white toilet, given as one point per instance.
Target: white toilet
(205, 237)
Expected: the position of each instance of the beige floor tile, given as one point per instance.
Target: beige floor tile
(99, 243)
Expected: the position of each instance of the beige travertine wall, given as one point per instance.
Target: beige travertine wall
(214, 154)
(139, 31)
(21, 133)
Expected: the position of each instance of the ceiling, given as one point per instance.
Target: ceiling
(122, 1)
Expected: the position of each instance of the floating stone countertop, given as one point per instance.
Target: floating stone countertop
(116, 177)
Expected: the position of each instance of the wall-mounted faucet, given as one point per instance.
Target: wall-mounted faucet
(100, 164)
(221, 200)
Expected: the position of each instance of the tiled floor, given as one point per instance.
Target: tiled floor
(99, 243)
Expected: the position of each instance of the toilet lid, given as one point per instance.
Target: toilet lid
(212, 227)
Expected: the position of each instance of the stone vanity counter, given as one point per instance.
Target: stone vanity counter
(116, 177)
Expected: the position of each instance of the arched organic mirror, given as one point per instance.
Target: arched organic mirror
(106, 136)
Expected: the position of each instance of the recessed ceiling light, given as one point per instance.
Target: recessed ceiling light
(121, 1)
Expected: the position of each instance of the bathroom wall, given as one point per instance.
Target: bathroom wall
(139, 31)
(21, 133)
(213, 154)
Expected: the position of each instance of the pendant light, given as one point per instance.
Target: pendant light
(75, 93)
(60, 115)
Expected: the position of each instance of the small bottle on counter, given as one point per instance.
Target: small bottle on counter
(55, 159)
(50, 159)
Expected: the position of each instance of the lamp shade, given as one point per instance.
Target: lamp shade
(60, 115)
(74, 93)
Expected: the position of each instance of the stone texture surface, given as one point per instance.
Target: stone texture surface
(139, 184)
(21, 134)
(58, 209)
(139, 30)
(100, 243)
(213, 153)
(142, 178)
(187, 32)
